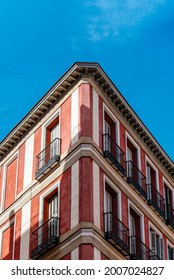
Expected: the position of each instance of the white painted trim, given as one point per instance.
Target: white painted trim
(170, 187)
(141, 215)
(147, 160)
(75, 254)
(97, 254)
(128, 136)
(45, 194)
(96, 194)
(41, 204)
(25, 231)
(3, 192)
(75, 116)
(116, 121)
(117, 190)
(3, 229)
(28, 161)
(95, 116)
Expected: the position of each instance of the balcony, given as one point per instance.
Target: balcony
(138, 250)
(169, 216)
(136, 178)
(156, 200)
(48, 158)
(45, 237)
(114, 154)
(116, 233)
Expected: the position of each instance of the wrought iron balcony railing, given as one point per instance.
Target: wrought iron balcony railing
(116, 233)
(169, 215)
(138, 250)
(45, 237)
(136, 178)
(48, 158)
(114, 153)
(156, 200)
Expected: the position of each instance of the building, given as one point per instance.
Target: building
(81, 177)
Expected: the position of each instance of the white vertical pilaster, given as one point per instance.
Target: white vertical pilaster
(96, 195)
(75, 254)
(25, 231)
(28, 165)
(95, 117)
(75, 194)
(74, 116)
(97, 254)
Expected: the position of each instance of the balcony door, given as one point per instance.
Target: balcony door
(109, 211)
(107, 145)
(132, 235)
(129, 159)
(54, 133)
(53, 214)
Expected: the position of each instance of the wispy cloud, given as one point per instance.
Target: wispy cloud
(115, 18)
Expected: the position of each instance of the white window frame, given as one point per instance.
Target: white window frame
(134, 143)
(41, 205)
(116, 121)
(147, 160)
(46, 124)
(4, 179)
(2, 230)
(169, 244)
(157, 232)
(171, 189)
(117, 191)
(140, 214)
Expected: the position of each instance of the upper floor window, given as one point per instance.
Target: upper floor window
(170, 253)
(50, 155)
(46, 236)
(168, 195)
(156, 245)
(151, 176)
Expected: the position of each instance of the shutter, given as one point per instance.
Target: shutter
(148, 175)
(132, 245)
(160, 248)
(172, 253)
(129, 166)
(153, 242)
(149, 192)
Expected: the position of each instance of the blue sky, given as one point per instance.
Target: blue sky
(132, 40)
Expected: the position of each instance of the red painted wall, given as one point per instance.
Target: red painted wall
(11, 183)
(85, 107)
(65, 201)
(86, 190)
(7, 243)
(86, 252)
(124, 206)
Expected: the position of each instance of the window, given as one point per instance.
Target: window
(132, 159)
(157, 245)
(50, 155)
(155, 199)
(110, 132)
(115, 231)
(170, 253)
(168, 195)
(46, 236)
(7, 241)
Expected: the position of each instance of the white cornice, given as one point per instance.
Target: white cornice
(62, 86)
